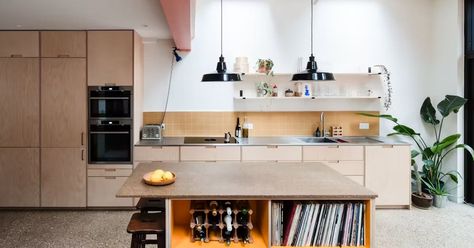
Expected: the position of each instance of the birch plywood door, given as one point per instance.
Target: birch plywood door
(63, 103)
(19, 102)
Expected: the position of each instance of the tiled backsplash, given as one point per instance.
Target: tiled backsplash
(265, 123)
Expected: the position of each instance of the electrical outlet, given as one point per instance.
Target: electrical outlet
(364, 125)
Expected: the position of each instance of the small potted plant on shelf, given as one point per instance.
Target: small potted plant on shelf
(432, 176)
(265, 66)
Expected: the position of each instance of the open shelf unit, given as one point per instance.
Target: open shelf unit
(179, 230)
(308, 98)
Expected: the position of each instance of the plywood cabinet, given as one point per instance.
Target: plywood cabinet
(19, 102)
(388, 174)
(103, 185)
(110, 57)
(19, 177)
(18, 44)
(63, 44)
(156, 153)
(210, 153)
(271, 153)
(333, 152)
(63, 102)
(63, 177)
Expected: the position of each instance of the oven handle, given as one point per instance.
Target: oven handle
(105, 132)
(109, 98)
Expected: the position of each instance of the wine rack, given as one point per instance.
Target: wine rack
(209, 225)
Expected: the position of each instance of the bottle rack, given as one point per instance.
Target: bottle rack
(213, 234)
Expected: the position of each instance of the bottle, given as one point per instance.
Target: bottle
(317, 133)
(227, 234)
(243, 219)
(238, 129)
(245, 130)
(199, 229)
(214, 215)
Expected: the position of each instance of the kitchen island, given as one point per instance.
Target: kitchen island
(260, 183)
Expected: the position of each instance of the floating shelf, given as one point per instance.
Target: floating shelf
(309, 98)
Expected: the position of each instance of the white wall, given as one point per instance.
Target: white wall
(419, 41)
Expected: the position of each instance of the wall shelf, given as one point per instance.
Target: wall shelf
(309, 98)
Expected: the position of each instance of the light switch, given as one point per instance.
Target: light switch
(364, 125)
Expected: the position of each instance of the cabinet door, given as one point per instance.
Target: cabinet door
(156, 153)
(210, 153)
(101, 192)
(19, 102)
(110, 57)
(19, 177)
(17, 44)
(333, 152)
(388, 174)
(63, 177)
(63, 102)
(63, 44)
(271, 153)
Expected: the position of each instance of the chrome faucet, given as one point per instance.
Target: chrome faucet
(321, 122)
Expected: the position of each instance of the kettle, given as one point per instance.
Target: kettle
(227, 137)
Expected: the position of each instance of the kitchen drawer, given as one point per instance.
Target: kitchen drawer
(347, 168)
(109, 172)
(101, 192)
(331, 153)
(271, 153)
(357, 179)
(156, 153)
(210, 153)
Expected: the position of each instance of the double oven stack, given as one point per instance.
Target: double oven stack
(110, 125)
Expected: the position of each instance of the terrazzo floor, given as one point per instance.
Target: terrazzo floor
(449, 227)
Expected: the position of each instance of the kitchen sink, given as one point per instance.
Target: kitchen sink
(208, 140)
(317, 140)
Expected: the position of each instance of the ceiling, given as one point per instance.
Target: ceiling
(145, 16)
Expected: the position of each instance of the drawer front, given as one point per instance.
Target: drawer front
(156, 153)
(271, 153)
(331, 153)
(101, 192)
(347, 168)
(357, 179)
(109, 172)
(210, 153)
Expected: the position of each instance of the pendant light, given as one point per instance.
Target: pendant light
(221, 75)
(311, 73)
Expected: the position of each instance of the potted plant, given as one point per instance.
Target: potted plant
(432, 175)
(265, 66)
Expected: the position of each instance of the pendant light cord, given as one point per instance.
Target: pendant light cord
(222, 20)
(312, 27)
(169, 89)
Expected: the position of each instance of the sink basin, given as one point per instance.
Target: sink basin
(208, 140)
(317, 140)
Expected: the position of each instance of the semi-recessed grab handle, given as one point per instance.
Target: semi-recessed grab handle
(82, 154)
(63, 56)
(16, 56)
(82, 138)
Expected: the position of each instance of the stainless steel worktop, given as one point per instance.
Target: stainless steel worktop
(282, 140)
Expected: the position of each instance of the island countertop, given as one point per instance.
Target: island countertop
(235, 180)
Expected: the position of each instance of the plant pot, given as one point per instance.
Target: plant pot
(423, 201)
(440, 201)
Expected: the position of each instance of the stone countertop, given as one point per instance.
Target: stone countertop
(283, 140)
(252, 181)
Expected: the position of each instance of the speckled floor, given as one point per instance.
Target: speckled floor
(435, 228)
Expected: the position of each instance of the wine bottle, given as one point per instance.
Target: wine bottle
(214, 216)
(227, 232)
(245, 129)
(238, 129)
(199, 229)
(243, 219)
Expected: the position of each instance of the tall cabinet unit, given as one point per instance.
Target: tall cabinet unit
(114, 58)
(19, 122)
(63, 119)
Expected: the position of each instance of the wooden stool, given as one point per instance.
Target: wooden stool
(151, 204)
(142, 224)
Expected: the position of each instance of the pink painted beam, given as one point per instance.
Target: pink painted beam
(178, 15)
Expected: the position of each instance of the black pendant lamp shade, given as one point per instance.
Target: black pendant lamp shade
(311, 73)
(221, 74)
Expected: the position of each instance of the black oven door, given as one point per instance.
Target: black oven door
(110, 142)
(110, 102)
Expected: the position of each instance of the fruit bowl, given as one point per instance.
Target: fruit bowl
(147, 180)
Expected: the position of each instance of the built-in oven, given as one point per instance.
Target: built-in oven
(110, 102)
(110, 141)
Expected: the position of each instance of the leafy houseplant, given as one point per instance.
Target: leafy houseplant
(265, 66)
(432, 175)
